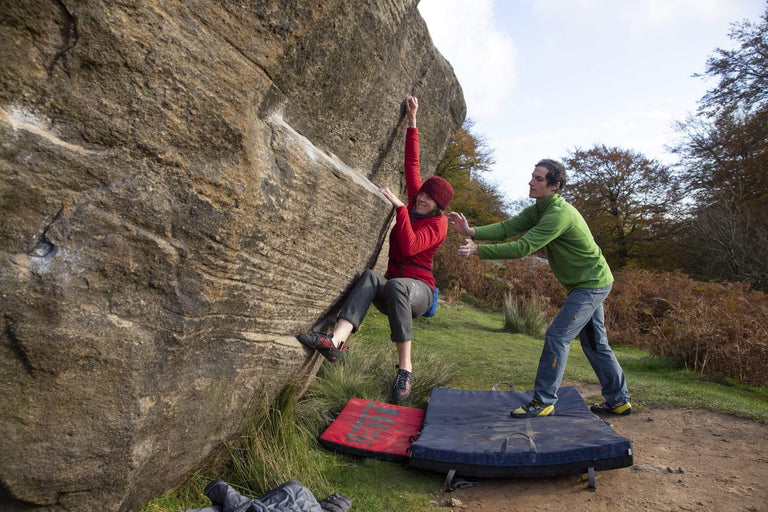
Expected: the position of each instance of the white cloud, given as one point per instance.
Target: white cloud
(482, 56)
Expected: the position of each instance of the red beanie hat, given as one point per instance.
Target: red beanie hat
(438, 189)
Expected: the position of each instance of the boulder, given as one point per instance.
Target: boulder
(184, 187)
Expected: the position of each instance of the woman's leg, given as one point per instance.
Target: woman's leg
(341, 331)
(404, 355)
(350, 317)
(366, 289)
(403, 299)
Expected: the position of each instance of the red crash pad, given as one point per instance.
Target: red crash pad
(374, 429)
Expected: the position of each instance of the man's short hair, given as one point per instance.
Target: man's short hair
(555, 172)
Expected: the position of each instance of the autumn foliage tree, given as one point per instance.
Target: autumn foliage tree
(627, 201)
(724, 157)
(464, 164)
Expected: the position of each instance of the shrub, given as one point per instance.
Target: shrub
(717, 329)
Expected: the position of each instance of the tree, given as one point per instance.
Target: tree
(627, 200)
(724, 159)
(742, 72)
(464, 161)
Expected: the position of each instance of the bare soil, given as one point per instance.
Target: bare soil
(684, 460)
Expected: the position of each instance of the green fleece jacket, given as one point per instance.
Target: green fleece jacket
(555, 225)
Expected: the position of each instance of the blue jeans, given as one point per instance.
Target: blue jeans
(582, 315)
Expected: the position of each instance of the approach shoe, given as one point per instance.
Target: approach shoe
(533, 409)
(623, 409)
(323, 343)
(402, 387)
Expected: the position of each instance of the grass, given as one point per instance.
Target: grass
(271, 449)
(460, 347)
(525, 317)
(189, 495)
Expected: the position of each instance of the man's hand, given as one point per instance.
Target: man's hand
(468, 249)
(460, 224)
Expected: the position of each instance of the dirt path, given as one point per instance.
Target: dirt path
(684, 460)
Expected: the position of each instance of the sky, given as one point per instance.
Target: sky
(544, 77)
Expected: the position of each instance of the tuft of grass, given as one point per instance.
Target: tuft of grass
(273, 448)
(526, 317)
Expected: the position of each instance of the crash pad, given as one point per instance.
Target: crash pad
(373, 429)
(473, 434)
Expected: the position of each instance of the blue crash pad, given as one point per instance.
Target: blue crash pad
(472, 433)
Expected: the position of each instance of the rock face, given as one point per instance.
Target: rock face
(185, 186)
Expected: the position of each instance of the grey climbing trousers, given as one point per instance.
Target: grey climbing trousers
(401, 298)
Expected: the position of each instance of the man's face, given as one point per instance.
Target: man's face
(538, 184)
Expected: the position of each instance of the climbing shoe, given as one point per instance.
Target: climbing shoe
(402, 387)
(623, 409)
(323, 343)
(533, 409)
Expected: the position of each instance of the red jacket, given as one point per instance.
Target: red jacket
(412, 245)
